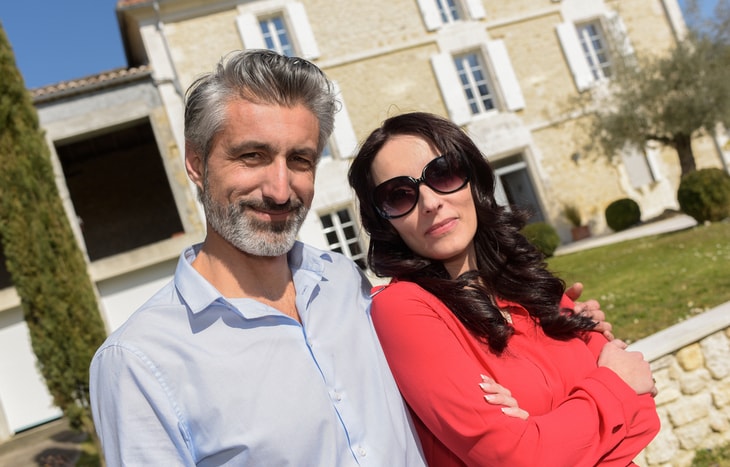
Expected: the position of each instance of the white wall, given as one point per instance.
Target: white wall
(25, 399)
(122, 295)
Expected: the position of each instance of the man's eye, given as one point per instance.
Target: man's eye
(301, 162)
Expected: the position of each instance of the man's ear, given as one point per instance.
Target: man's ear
(194, 165)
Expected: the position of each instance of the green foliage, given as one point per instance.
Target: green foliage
(717, 457)
(45, 264)
(705, 195)
(667, 99)
(572, 214)
(648, 284)
(622, 214)
(543, 236)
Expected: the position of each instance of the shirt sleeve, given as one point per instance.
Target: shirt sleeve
(133, 415)
(439, 380)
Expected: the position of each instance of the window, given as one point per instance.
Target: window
(119, 190)
(474, 82)
(514, 186)
(276, 36)
(477, 82)
(449, 11)
(438, 13)
(278, 25)
(593, 46)
(343, 236)
(595, 49)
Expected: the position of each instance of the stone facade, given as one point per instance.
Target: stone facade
(693, 379)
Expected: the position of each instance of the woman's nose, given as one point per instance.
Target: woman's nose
(429, 200)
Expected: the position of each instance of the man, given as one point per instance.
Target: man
(260, 351)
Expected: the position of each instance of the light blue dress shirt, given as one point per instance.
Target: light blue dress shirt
(193, 378)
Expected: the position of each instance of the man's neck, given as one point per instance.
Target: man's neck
(241, 275)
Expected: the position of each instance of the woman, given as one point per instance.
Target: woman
(470, 295)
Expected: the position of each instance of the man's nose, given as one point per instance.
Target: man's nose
(277, 183)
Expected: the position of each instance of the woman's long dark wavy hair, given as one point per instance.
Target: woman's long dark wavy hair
(508, 266)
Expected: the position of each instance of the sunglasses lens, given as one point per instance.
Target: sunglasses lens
(444, 176)
(396, 196)
(399, 195)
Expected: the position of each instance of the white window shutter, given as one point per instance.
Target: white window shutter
(451, 89)
(250, 31)
(302, 30)
(637, 167)
(430, 14)
(343, 134)
(574, 55)
(619, 36)
(505, 74)
(476, 9)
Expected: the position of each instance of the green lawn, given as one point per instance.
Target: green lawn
(649, 284)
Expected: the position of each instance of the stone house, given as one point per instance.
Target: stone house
(499, 69)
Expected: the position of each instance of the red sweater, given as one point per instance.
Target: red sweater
(580, 415)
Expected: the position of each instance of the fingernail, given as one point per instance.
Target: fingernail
(489, 397)
(483, 386)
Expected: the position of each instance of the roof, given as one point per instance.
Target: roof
(126, 3)
(89, 83)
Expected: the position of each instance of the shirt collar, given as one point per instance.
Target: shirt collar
(307, 264)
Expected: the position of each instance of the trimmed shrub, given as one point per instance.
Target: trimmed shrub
(705, 195)
(622, 214)
(543, 236)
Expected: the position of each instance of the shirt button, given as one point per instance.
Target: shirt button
(362, 452)
(337, 396)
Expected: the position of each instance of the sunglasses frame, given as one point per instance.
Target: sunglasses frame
(418, 181)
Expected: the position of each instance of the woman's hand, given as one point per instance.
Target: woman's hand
(591, 309)
(629, 366)
(496, 394)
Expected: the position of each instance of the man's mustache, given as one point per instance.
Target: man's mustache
(270, 206)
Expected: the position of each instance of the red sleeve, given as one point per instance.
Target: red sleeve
(439, 380)
(595, 340)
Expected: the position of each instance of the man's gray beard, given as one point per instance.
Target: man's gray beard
(251, 235)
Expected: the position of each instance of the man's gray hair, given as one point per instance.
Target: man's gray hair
(261, 77)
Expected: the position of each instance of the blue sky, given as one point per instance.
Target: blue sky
(58, 40)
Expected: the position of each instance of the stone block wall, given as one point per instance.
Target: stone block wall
(693, 380)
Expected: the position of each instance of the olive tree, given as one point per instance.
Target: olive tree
(668, 98)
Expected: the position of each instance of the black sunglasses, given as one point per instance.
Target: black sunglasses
(398, 196)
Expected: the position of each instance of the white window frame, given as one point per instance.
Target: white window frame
(596, 49)
(432, 15)
(450, 10)
(501, 75)
(343, 242)
(468, 66)
(295, 20)
(616, 39)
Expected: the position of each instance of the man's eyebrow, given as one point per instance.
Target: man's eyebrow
(244, 146)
